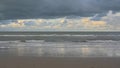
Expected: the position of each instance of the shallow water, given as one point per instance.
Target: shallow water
(60, 49)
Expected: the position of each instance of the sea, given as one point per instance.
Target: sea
(60, 44)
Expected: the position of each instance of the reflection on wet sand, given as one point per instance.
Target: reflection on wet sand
(48, 49)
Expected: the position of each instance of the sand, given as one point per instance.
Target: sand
(39, 62)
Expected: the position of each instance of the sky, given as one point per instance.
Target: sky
(59, 15)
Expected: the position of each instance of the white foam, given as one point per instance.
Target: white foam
(9, 41)
(34, 41)
(102, 41)
(43, 35)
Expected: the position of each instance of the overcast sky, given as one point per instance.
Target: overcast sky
(59, 14)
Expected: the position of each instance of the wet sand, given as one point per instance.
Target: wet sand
(38, 62)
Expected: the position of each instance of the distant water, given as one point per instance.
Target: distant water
(60, 44)
(60, 36)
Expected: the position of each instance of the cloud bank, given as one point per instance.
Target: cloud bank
(108, 22)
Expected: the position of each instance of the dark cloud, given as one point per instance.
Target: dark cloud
(21, 9)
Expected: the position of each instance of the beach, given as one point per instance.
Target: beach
(36, 62)
(15, 54)
(26, 51)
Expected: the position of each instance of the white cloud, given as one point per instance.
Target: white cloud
(13, 25)
(87, 23)
(112, 19)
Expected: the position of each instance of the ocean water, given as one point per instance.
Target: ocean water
(60, 44)
(60, 36)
